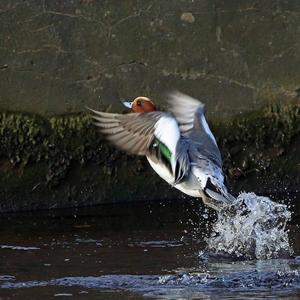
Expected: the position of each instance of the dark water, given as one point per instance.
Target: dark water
(133, 251)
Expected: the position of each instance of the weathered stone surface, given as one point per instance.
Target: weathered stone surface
(59, 56)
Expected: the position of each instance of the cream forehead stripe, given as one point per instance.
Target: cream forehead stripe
(141, 98)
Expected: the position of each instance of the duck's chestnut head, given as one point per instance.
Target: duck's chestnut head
(140, 104)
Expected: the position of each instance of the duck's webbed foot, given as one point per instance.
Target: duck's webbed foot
(221, 203)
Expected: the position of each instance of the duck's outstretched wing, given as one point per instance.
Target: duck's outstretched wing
(184, 108)
(189, 114)
(154, 134)
(136, 132)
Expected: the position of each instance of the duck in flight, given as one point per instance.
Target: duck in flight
(178, 144)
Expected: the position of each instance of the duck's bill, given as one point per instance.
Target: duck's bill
(127, 104)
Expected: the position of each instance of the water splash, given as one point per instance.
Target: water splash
(257, 230)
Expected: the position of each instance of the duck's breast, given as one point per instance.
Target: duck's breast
(161, 170)
(185, 187)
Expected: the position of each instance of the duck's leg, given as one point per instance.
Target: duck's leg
(218, 203)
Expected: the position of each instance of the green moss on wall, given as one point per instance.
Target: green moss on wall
(262, 144)
(56, 153)
(273, 126)
(58, 141)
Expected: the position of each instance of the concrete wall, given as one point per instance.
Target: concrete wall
(58, 56)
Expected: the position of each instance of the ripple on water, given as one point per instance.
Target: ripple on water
(158, 244)
(21, 248)
(254, 276)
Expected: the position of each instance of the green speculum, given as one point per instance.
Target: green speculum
(165, 151)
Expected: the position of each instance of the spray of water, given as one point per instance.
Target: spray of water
(257, 229)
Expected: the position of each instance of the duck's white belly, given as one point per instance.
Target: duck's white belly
(164, 173)
(161, 170)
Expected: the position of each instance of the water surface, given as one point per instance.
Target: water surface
(133, 251)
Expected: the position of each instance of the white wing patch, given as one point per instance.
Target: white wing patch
(167, 131)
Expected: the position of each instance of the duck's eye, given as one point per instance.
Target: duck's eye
(138, 103)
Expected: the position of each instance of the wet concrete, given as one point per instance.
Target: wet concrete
(59, 56)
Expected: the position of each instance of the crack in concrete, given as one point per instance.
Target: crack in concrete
(44, 47)
(193, 75)
(279, 55)
(89, 80)
(53, 12)
(41, 28)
